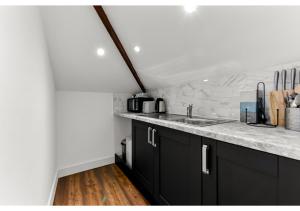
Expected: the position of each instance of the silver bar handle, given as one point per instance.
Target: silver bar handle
(149, 135)
(153, 137)
(205, 169)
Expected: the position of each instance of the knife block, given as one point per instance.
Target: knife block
(277, 104)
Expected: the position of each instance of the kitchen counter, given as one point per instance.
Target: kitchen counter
(277, 141)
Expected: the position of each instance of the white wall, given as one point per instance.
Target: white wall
(84, 130)
(27, 152)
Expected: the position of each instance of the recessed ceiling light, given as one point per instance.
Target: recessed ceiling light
(137, 49)
(100, 52)
(190, 8)
(205, 80)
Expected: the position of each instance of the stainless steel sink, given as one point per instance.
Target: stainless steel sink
(170, 117)
(202, 122)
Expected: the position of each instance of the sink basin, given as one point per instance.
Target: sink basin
(170, 117)
(197, 121)
(202, 122)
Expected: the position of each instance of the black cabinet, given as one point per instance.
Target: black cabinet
(178, 168)
(203, 171)
(181, 179)
(246, 176)
(172, 166)
(168, 164)
(195, 170)
(143, 155)
(209, 171)
(289, 181)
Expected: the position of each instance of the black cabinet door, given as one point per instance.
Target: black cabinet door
(171, 166)
(289, 185)
(209, 177)
(195, 172)
(246, 176)
(143, 160)
(203, 184)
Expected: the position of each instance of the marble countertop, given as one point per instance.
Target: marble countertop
(277, 141)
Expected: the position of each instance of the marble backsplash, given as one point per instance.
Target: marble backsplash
(120, 102)
(220, 96)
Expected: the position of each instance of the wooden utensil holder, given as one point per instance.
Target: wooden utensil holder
(277, 104)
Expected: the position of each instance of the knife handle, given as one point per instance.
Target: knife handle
(276, 79)
(293, 78)
(283, 78)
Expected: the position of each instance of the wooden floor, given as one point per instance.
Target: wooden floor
(101, 186)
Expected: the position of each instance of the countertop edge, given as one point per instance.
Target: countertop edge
(277, 149)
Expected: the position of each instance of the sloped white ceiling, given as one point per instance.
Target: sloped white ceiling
(73, 35)
(175, 46)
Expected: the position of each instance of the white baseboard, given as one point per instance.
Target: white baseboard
(79, 167)
(53, 189)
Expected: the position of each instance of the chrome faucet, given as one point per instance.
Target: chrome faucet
(189, 111)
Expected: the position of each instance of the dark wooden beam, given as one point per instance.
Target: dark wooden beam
(101, 13)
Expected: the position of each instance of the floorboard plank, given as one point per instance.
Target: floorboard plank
(106, 185)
